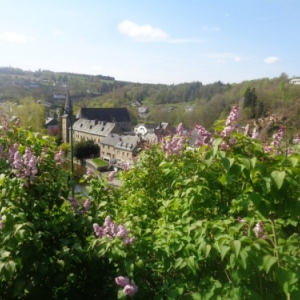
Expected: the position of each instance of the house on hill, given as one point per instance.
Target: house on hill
(120, 148)
(52, 126)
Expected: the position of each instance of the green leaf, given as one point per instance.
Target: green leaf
(294, 161)
(227, 162)
(253, 162)
(246, 163)
(224, 250)
(235, 247)
(196, 296)
(278, 178)
(206, 249)
(268, 262)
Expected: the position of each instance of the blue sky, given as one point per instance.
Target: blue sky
(157, 41)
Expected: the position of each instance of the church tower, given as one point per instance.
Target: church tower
(67, 118)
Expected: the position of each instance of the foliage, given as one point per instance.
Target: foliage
(31, 114)
(220, 222)
(43, 237)
(86, 149)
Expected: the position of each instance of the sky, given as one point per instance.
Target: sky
(157, 41)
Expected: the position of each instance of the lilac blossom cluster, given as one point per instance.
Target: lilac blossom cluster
(231, 122)
(87, 204)
(278, 137)
(259, 230)
(5, 123)
(23, 166)
(112, 230)
(174, 144)
(296, 140)
(59, 157)
(254, 134)
(203, 136)
(129, 288)
(89, 173)
(111, 176)
(74, 204)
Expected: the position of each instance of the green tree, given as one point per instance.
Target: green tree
(250, 100)
(31, 114)
(86, 149)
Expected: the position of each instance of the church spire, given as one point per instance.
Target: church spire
(69, 104)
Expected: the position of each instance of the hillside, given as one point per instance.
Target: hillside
(188, 103)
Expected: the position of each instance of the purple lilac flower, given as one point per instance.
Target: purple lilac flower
(130, 289)
(179, 129)
(87, 204)
(259, 230)
(204, 136)
(122, 281)
(59, 157)
(296, 140)
(278, 137)
(89, 173)
(12, 152)
(111, 176)
(112, 230)
(230, 124)
(254, 134)
(74, 204)
(5, 123)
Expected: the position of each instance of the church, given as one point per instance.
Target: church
(107, 127)
(93, 123)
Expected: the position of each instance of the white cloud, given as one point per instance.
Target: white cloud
(142, 32)
(13, 37)
(271, 59)
(237, 59)
(149, 33)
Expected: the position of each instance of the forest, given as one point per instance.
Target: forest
(258, 98)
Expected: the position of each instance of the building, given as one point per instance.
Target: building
(52, 126)
(295, 81)
(120, 148)
(120, 116)
(94, 130)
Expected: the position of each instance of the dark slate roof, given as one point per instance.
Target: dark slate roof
(51, 121)
(95, 127)
(127, 142)
(105, 114)
(112, 139)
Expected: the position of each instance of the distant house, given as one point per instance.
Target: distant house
(143, 110)
(189, 108)
(295, 81)
(59, 97)
(136, 103)
(152, 132)
(52, 126)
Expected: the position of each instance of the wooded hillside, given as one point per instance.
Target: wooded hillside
(186, 103)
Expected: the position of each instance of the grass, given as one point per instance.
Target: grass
(100, 162)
